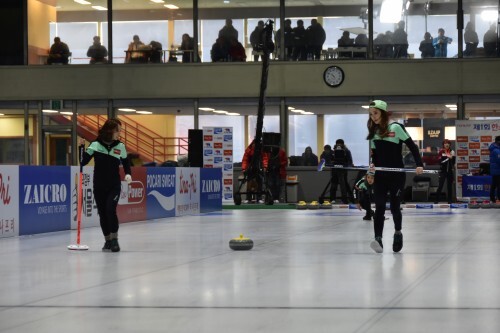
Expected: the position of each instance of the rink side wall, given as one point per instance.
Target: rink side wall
(39, 199)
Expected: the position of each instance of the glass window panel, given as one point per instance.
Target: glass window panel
(302, 133)
(147, 31)
(351, 128)
(270, 124)
(78, 37)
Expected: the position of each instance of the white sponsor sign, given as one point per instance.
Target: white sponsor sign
(9, 201)
(187, 192)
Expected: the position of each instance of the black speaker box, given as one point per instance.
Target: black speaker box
(195, 148)
(270, 139)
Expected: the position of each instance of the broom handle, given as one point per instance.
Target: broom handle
(80, 195)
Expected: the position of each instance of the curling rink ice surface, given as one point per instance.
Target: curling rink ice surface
(309, 271)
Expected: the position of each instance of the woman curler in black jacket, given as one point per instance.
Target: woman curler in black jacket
(108, 153)
(386, 141)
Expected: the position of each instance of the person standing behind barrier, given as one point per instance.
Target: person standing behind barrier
(299, 42)
(400, 40)
(495, 169)
(97, 52)
(228, 32)
(187, 45)
(490, 41)
(315, 36)
(426, 46)
(440, 44)
(386, 141)
(447, 162)
(108, 153)
(275, 162)
(363, 194)
(136, 51)
(471, 40)
(341, 157)
(288, 39)
(256, 39)
(308, 157)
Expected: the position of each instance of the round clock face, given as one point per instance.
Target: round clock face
(333, 76)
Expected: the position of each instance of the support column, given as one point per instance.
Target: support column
(74, 134)
(40, 135)
(196, 110)
(26, 134)
(284, 125)
(460, 108)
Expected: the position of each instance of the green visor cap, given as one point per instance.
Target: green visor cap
(370, 173)
(381, 105)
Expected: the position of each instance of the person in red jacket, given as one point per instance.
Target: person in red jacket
(246, 163)
(275, 162)
(447, 162)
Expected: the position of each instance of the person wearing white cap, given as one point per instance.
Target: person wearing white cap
(386, 141)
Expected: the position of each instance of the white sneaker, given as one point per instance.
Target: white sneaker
(376, 245)
(276, 201)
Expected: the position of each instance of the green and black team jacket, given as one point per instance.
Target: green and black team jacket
(387, 152)
(107, 160)
(362, 189)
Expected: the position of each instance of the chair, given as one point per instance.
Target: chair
(421, 188)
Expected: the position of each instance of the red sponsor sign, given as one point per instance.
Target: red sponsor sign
(474, 145)
(462, 152)
(485, 151)
(486, 138)
(207, 138)
(391, 134)
(474, 159)
(459, 179)
(462, 165)
(228, 182)
(208, 165)
(228, 152)
(135, 207)
(218, 145)
(462, 139)
(117, 151)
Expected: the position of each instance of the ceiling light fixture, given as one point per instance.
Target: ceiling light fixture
(158, 1)
(227, 1)
(390, 11)
(50, 111)
(233, 114)
(451, 106)
(2, 114)
(144, 112)
(170, 6)
(206, 109)
(221, 111)
(82, 2)
(67, 113)
(126, 110)
(489, 15)
(99, 8)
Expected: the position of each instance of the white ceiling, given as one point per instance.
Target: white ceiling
(70, 5)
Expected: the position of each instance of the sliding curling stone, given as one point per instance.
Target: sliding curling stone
(241, 243)
(326, 205)
(474, 205)
(301, 205)
(313, 205)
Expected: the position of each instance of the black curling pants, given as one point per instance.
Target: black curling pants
(448, 177)
(392, 182)
(106, 199)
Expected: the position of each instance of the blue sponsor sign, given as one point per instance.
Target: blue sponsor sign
(208, 152)
(457, 205)
(476, 186)
(228, 137)
(210, 190)
(160, 192)
(424, 206)
(217, 130)
(45, 199)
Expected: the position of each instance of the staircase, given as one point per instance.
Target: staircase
(150, 146)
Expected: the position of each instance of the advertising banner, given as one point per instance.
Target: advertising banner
(90, 217)
(218, 153)
(211, 190)
(45, 199)
(476, 186)
(473, 139)
(132, 203)
(160, 192)
(9, 201)
(187, 192)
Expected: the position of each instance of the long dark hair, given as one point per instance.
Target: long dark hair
(107, 130)
(383, 127)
